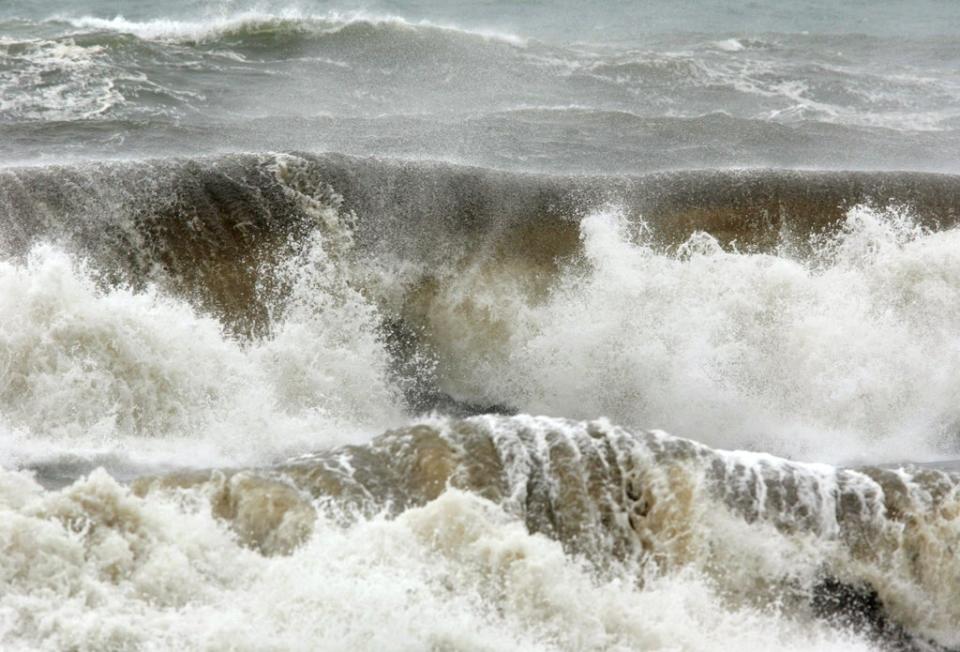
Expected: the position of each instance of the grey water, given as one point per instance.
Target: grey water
(563, 86)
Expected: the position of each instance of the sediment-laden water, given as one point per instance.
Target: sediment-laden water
(461, 327)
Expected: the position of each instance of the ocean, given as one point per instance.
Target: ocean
(425, 325)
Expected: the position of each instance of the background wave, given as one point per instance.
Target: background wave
(93, 86)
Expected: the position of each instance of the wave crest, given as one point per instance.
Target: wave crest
(255, 24)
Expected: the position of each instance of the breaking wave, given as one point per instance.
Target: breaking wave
(490, 533)
(266, 315)
(256, 24)
(806, 314)
(109, 570)
(672, 367)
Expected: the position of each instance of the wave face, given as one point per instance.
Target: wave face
(95, 84)
(726, 307)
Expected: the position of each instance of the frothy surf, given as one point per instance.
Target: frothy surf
(266, 315)
(647, 306)
(109, 570)
(504, 533)
(254, 22)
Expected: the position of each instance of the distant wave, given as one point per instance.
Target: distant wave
(394, 63)
(255, 23)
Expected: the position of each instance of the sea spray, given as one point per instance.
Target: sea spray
(830, 355)
(116, 372)
(327, 328)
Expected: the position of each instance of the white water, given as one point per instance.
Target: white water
(92, 567)
(143, 378)
(216, 27)
(846, 356)
(850, 357)
(56, 80)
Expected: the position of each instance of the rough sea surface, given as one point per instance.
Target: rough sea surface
(423, 325)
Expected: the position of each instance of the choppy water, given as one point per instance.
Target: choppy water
(580, 87)
(337, 327)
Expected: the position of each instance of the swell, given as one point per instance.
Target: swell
(548, 140)
(98, 88)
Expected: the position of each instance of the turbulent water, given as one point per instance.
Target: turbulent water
(327, 326)
(550, 86)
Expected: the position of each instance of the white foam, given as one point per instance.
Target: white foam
(167, 29)
(729, 45)
(138, 375)
(850, 357)
(56, 80)
(94, 567)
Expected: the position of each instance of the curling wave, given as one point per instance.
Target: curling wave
(723, 306)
